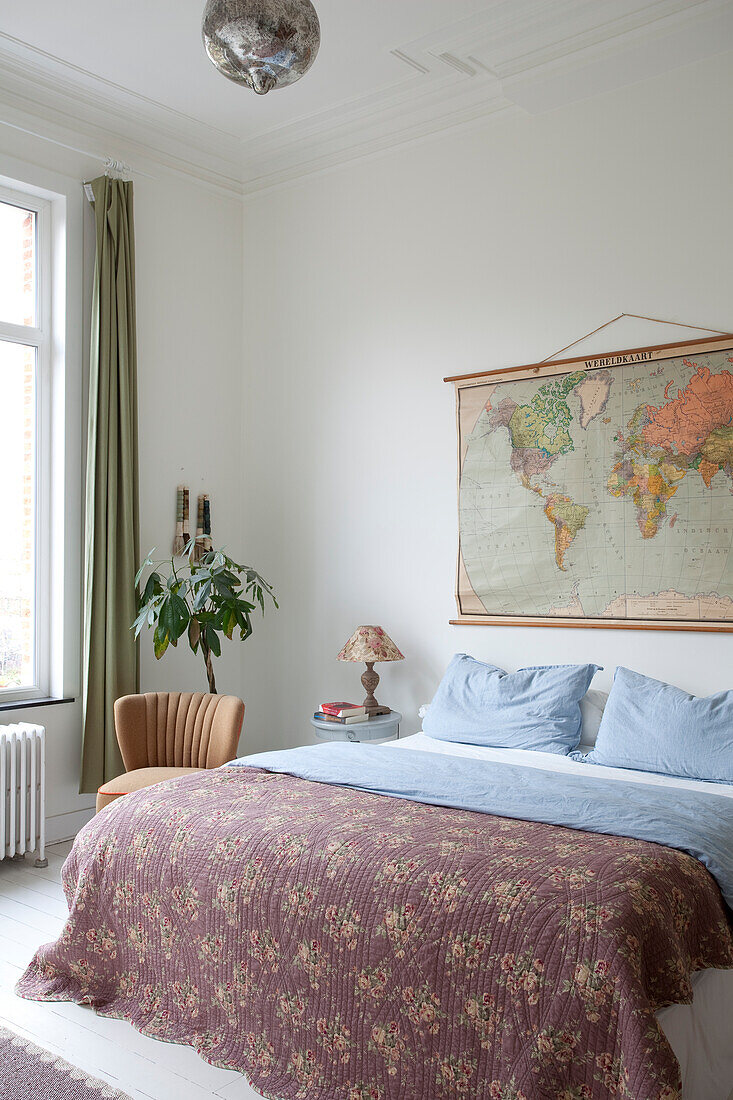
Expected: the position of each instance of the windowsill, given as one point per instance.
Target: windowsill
(30, 704)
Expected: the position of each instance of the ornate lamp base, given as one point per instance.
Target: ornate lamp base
(370, 680)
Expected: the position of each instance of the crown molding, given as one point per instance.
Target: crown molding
(632, 50)
(365, 148)
(519, 38)
(509, 58)
(373, 123)
(517, 55)
(43, 95)
(101, 144)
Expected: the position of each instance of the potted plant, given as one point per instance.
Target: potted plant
(204, 598)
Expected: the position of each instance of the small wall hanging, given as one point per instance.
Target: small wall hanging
(178, 542)
(183, 533)
(198, 549)
(202, 538)
(182, 538)
(207, 523)
(186, 518)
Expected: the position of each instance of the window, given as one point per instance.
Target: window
(24, 382)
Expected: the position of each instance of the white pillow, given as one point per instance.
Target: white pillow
(592, 706)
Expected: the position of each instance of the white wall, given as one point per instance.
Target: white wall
(491, 246)
(189, 307)
(300, 381)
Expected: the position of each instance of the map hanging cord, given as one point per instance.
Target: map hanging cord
(638, 317)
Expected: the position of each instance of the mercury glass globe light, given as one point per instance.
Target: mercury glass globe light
(263, 44)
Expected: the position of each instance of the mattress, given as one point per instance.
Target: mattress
(552, 761)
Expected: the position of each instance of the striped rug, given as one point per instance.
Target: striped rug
(28, 1072)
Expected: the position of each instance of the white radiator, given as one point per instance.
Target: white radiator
(23, 791)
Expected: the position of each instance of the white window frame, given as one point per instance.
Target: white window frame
(40, 337)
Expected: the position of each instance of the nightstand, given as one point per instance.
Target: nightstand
(384, 727)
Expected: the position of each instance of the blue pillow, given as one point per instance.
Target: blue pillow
(535, 708)
(655, 727)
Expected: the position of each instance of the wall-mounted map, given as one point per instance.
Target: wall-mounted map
(599, 491)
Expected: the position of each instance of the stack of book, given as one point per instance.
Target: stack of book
(346, 714)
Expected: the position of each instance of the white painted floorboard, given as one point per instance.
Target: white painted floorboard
(32, 912)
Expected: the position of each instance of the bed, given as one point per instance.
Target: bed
(414, 921)
(700, 1033)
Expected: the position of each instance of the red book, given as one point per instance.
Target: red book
(342, 710)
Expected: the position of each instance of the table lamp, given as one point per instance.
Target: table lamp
(370, 644)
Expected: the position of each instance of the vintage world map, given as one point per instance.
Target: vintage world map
(601, 493)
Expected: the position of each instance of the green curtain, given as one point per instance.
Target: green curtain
(111, 665)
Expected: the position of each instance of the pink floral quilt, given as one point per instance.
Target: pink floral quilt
(340, 945)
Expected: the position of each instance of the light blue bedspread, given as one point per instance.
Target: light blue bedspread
(696, 822)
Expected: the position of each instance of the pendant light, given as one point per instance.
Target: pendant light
(263, 44)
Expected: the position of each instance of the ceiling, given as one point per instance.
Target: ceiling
(133, 80)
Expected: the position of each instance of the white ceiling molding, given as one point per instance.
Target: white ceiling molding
(45, 96)
(510, 56)
(516, 54)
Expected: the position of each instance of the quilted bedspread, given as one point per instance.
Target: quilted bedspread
(340, 945)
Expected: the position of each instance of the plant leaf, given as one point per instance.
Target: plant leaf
(222, 587)
(213, 639)
(160, 643)
(153, 587)
(230, 621)
(179, 616)
(167, 618)
(148, 561)
(202, 595)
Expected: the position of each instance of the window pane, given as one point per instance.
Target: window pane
(17, 265)
(17, 508)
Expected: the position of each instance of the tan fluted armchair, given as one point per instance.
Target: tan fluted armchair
(166, 734)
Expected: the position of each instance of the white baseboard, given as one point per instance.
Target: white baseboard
(65, 826)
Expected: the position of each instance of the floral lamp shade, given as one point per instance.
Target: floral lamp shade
(370, 644)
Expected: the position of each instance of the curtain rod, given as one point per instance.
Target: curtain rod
(115, 169)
